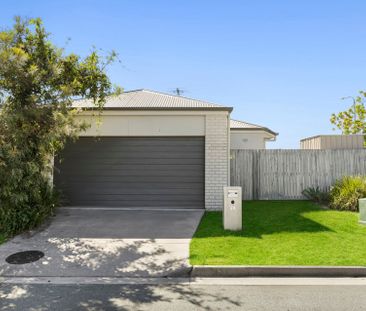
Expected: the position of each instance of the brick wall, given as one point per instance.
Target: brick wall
(216, 160)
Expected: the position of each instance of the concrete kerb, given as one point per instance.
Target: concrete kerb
(245, 281)
(277, 271)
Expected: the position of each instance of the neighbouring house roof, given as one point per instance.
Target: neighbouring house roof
(151, 100)
(332, 135)
(245, 126)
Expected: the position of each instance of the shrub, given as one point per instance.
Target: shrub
(38, 83)
(345, 193)
(316, 195)
(28, 209)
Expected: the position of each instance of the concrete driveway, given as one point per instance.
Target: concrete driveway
(107, 243)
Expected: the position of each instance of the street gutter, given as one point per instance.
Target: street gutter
(277, 271)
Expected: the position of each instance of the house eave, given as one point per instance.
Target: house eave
(264, 129)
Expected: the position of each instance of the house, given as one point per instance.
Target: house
(333, 142)
(149, 150)
(244, 135)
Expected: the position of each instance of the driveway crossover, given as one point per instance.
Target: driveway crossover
(107, 243)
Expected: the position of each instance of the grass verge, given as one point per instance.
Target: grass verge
(281, 233)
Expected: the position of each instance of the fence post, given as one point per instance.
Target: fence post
(255, 175)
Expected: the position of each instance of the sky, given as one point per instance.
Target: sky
(281, 64)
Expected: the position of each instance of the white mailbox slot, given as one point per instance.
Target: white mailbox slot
(232, 193)
(232, 209)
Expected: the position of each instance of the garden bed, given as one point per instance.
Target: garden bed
(282, 233)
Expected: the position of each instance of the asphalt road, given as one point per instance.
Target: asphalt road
(181, 296)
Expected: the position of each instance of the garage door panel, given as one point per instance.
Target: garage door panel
(141, 204)
(130, 179)
(85, 142)
(140, 155)
(101, 161)
(154, 172)
(138, 173)
(158, 149)
(143, 167)
(121, 191)
(145, 197)
(73, 185)
(102, 202)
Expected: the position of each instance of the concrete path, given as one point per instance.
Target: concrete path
(107, 243)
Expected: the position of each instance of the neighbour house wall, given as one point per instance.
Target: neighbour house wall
(241, 139)
(311, 143)
(333, 142)
(214, 125)
(283, 174)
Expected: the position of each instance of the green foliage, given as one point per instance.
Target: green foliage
(352, 120)
(38, 83)
(316, 195)
(2, 239)
(345, 193)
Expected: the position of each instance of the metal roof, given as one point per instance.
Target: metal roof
(331, 135)
(151, 100)
(241, 125)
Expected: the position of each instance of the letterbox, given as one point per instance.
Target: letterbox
(232, 215)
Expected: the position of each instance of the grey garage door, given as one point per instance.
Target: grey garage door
(153, 172)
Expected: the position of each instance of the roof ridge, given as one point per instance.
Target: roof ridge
(132, 91)
(175, 96)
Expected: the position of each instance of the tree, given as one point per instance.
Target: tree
(352, 120)
(38, 83)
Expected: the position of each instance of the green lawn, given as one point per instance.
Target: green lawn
(281, 233)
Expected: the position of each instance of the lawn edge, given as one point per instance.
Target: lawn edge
(278, 271)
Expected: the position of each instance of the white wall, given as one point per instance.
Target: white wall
(145, 125)
(241, 139)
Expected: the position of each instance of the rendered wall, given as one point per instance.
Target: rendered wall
(144, 125)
